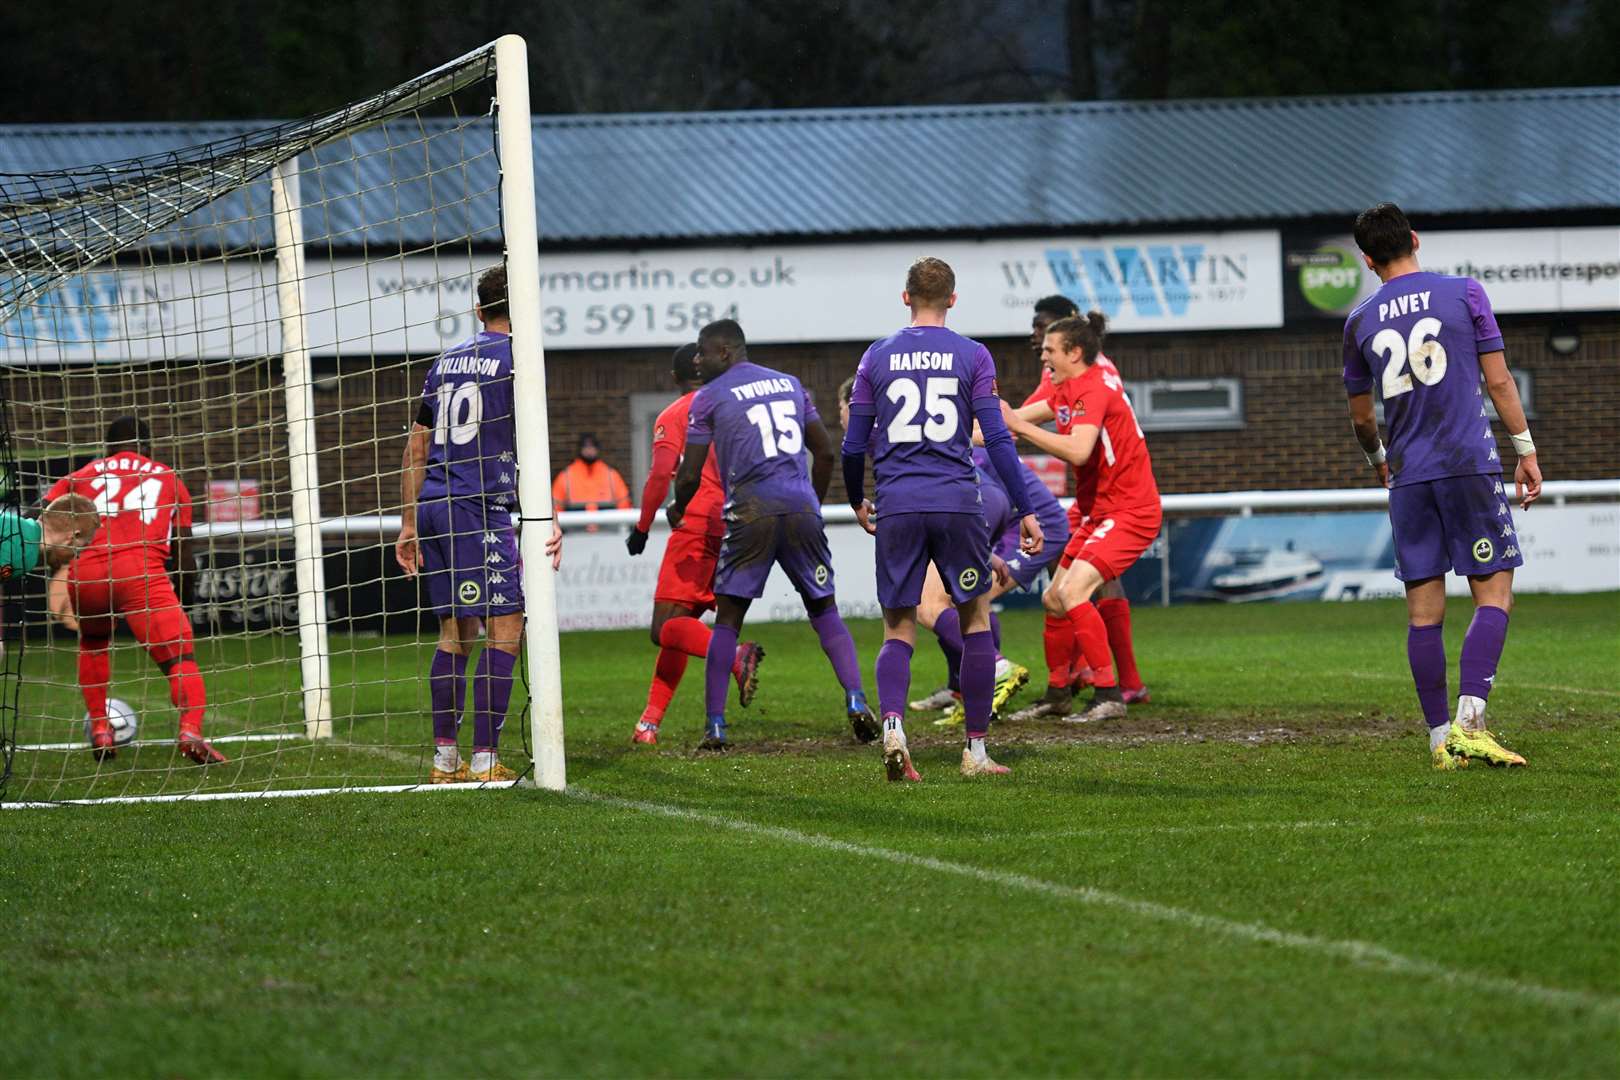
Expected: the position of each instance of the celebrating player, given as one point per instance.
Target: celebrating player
(1066, 670)
(145, 516)
(686, 576)
(921, 388)
(458, 488)
(1425, 340)
(760, 422)
(1094, 419)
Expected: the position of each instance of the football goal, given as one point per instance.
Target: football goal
(264, 304)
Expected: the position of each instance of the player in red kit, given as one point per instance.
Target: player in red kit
(1095, 424)
(1066, 668)
(686, 576)
(122, 574)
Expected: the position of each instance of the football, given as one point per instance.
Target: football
(122, 719)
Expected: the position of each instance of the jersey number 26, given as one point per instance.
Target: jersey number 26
(1427, 355)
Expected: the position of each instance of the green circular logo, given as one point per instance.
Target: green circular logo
(469, 592)
(1331, 278)
(1483, 550)
(968, 579)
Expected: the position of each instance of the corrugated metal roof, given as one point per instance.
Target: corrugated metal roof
(696, 177)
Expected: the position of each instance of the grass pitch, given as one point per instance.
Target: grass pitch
(1257, 873)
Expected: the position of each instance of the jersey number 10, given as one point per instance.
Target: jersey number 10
(465, 401)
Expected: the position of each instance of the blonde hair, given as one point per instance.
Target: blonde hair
(76, 514)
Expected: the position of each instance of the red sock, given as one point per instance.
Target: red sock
(95, 671)
(1116, 616)
(1093, 635)
(666, 678)
(1058, 636)
(687, 634)
(187, 692)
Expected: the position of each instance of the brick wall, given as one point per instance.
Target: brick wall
(224, 420)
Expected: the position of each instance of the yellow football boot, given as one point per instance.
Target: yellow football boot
(1481, 744)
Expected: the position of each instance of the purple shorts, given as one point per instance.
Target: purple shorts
(957, 544)
(797, 542)
(1458, 523)
(469, 558)
(1026, 569)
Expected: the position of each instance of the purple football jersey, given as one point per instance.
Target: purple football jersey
(468, 392)
(755, 419)
(1416, 342)
(920, 385)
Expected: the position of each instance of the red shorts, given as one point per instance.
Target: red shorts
(137, 590)
(1112, 543)
(1078, 521)
(686, 576)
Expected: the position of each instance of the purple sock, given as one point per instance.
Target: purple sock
(839, 647)
(995, 630)
(492, 692)
(978, 680)
(948, 628)
(893, 677)
(717, 670)
(1482, 648)
(447, 689)
(1426, 652)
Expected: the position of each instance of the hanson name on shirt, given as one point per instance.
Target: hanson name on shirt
(921, 361)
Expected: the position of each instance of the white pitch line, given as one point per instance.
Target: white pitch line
(1512, 685)
(278, 793)
(82, 745)
(1360, 953)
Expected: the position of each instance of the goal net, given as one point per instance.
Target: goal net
(269, 304)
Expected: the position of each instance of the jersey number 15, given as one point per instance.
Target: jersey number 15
(779, 430)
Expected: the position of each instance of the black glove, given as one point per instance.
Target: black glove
(636, 542)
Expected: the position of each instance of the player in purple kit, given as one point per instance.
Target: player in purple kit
(458, 489)
(760, 423)
(916, 395)
(1424, 341)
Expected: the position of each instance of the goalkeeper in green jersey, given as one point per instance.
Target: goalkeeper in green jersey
(55, 537)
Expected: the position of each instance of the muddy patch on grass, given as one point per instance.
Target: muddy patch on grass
(1139, 729)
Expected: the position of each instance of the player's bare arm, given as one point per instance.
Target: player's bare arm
(688, 478)
(1365, 424)
(1505, 396)
(1074, 448)
(819, 443)
(412, 470)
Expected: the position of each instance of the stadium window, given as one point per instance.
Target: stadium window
(644, 409)
(1522, 380)
(1188, 404)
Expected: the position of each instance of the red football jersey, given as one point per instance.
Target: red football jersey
(141, 502)
(669, 430)
(1123, 469)
(1085, 477)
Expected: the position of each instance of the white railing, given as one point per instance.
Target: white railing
(386, 526)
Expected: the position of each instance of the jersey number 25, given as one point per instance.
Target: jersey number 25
(937, 396)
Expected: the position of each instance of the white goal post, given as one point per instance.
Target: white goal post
(173, 286)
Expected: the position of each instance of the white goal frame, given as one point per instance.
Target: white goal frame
(520, 241)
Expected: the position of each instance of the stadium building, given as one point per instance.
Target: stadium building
(1214, 234)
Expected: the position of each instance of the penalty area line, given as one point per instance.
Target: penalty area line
(1361, 954)
(276, 793)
